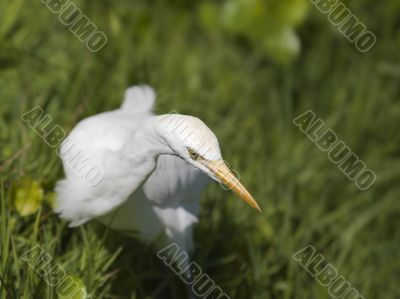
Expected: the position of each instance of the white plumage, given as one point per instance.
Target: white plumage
(152, 184)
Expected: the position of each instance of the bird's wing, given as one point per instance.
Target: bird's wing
(95, 142)
(139, 99)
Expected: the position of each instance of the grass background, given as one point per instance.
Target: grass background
(248, 95)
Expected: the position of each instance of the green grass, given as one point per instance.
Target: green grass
(249, 101)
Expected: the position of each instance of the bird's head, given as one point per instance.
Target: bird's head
(190, 139)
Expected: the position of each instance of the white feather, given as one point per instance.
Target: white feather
(139, 99)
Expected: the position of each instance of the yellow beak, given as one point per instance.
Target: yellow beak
(225, 175)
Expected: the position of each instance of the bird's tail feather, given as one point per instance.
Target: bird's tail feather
(139, 99)
(70, 202)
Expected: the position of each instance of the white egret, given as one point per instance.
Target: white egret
(155, 168)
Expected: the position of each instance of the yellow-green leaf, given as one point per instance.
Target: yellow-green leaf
(28, 196)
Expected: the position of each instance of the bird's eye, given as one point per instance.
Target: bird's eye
(193, 154)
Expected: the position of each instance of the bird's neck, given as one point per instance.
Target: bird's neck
(144, 147)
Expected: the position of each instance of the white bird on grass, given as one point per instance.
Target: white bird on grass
(152, 183)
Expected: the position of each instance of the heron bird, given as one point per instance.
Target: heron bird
(155, 168)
